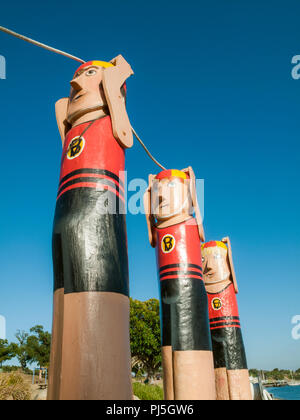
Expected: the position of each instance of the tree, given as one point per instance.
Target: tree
(277, 375)
(7, 351)
(34, 347)
(38, 346)
(21, 349)
(145, 339)
(254, 373)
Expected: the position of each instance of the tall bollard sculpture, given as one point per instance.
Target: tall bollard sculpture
(232, 378)
(90, 355)
(176, 234)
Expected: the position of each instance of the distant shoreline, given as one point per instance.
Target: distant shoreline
(280, 384)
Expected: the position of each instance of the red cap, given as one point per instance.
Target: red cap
(171, 173)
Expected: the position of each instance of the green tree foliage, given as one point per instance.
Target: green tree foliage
(276, 374)
(38, 346)
(7, 351)
(34, 347)
(254, 373)
(21, 349)
(145, 335)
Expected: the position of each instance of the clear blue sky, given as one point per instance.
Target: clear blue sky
(212, 89)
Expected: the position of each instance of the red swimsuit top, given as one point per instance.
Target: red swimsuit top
(178, 251)
(94, 160)
(223, 308)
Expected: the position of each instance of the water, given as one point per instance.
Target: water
(286, 392)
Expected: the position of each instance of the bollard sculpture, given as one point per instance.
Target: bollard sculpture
(90, 355)
(232, 378)
(176, 234)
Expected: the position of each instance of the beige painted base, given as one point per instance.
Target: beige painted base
(167, 363)
(239, 384)
(193, 373)
(222, 388)
(95, 360)
(56, 346)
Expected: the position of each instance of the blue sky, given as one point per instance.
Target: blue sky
(212, 89)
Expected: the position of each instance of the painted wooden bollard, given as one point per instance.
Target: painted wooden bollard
(232, 377)
(176, 234)
(90, 355)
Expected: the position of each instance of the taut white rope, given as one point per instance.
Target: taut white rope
(39, 44)
(147, 151)
(55, 50)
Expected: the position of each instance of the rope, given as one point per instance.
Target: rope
(46, 47)
(39, 44)
(147, 151)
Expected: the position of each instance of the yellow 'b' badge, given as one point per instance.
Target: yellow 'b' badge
(167, 243)
(75, 148)
(216, 304)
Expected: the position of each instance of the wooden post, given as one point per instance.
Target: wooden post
(232, 377)
(186, 342)
(90, 354)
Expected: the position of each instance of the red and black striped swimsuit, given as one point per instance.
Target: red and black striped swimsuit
(228, 346)
(184, 311)
(97, 162)
(89, 235)
(223, 309)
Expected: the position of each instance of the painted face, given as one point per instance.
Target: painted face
(85, 91)
(215, 264)
(170, 197)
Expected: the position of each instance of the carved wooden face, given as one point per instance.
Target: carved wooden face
(215, 264)
(170, 197)
(86, 92)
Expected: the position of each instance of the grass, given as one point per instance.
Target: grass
(13, 387)
(148, 392)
